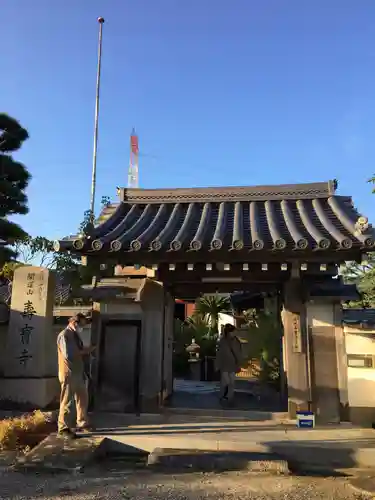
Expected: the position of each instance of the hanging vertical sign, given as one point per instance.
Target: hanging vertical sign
(296, 333)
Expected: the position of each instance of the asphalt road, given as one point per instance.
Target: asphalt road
(114, 483)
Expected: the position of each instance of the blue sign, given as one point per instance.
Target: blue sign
(305, 419)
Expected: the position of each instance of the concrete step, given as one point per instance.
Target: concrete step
(250, 415)
(61, 454)
(340, 446)
(300, 456)
(214, 461)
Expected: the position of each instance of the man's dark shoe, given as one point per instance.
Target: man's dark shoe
(67, 433)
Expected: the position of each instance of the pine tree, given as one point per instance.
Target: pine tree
(362, 275)
(14, 179)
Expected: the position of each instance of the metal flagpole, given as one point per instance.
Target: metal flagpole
(94, 156)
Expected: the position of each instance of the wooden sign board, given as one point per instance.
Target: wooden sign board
(297, 335)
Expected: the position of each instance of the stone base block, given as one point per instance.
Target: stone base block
(29, 392)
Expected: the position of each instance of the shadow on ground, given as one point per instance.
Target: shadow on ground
(305, 456)
(314, 460)
(298, 458)
(177, 429)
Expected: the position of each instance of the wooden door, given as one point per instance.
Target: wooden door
(119, 367)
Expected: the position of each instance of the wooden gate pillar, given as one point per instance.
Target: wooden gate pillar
(295, 347)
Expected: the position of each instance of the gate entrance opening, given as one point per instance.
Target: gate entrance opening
(260, 384)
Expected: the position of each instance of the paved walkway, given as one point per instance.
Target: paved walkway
(249, 395)
(192, 437)
(343, 446)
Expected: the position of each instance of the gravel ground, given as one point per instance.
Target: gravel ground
(100, 483)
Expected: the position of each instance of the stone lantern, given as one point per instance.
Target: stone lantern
(195, 362)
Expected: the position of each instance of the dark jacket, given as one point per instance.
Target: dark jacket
(229, 355)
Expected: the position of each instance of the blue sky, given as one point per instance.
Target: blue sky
(221, 92)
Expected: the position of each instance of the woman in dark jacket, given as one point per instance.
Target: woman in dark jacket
(228, 362)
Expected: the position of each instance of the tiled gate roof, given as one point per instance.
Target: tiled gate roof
(299, 217)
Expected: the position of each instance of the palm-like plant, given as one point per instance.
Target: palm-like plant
(210, 307)
(197, 326)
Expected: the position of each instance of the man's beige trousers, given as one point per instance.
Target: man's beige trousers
(73, 390)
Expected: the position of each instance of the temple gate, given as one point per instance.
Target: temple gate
(289, 238)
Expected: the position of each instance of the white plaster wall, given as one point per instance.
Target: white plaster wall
(224, 319)
(359, 341)
(361, 387)
(361, 381)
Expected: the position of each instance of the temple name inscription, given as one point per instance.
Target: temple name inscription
(26, 342)
(27, 328)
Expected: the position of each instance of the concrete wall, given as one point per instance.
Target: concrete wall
(360, 351)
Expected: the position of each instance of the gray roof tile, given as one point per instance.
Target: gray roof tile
(271, 218)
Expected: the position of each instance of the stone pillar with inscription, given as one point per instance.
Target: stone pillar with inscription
(30, 372)
(295, 345)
